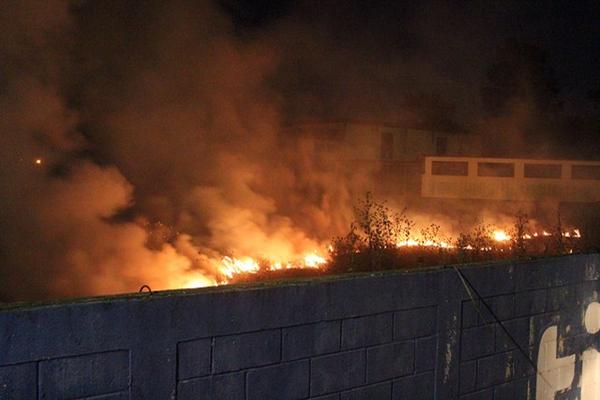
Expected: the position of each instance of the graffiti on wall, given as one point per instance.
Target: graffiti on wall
(558, 374)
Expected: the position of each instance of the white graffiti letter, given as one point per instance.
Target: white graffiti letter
(590, 374)
(556, 373)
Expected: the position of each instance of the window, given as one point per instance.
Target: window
(454, 168)
(586, 172)
(496, 169)
(544, 171)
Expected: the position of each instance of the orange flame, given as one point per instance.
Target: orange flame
(229, 267)
(500, 236)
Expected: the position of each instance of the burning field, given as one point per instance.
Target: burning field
(381, 238)
(153, 143)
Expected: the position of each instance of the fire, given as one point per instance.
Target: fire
(228, 267)
(231, 266)
(408, 243)
(572, 234)
(198, 282)
(500, 236)
(314, 260)
(415, 242)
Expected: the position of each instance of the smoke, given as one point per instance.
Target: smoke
(161, 129)
(157, 135)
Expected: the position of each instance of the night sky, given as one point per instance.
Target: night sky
(456, 39)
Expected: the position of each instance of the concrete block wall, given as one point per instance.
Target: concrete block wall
(395, 335)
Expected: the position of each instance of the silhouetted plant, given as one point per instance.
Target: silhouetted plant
(476, 245)
(559, 241)
(371, 243)
(430, 235)
(520, 230)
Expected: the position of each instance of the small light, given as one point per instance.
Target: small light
(38, 161)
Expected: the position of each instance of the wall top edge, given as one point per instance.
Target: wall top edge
(270, 285)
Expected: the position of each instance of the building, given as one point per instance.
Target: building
(511, 179)
(396, 153)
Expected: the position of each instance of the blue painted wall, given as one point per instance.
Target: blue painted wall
(399, 335)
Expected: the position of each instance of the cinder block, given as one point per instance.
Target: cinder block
(468, 376)
(113, 396)
(335, 396)
(337, 372)
(85, 375)
(496, 369)
(567, 271)
(193, 358)
(18, 381)
(235, 352)
(282, 381)
(418, 387)
(426, 352)
(477, 342)
(491, 280)
(523, 365)
(530, 303)
(381, 391)
(217, 387)
(470, 315)
(505, 391)
(310, 340)
(515, 390)
(381, 293)
(503, 308)
(415, 323)
(587, 292)
(486, 394)
(559, 298)
(37, 333)
(366, 331)
(390, 361)
(538, 274)
(523, 388)
(518, 330)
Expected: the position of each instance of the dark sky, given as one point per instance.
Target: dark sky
(455, 40)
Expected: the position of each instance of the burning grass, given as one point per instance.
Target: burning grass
(380, 239)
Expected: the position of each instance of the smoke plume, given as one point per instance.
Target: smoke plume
(140, 142)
